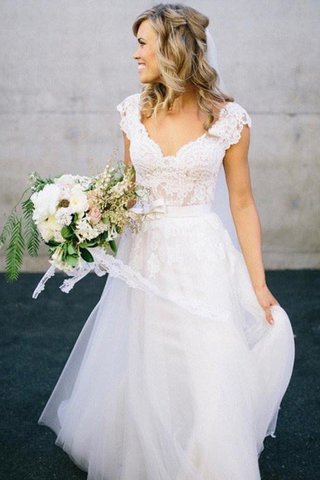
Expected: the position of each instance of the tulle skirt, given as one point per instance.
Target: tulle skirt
(176, 374)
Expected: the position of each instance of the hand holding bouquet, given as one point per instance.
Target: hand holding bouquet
(73, 214)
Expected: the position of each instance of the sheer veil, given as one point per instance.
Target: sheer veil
(221, 200)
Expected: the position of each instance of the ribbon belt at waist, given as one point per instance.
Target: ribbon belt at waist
(158, 208)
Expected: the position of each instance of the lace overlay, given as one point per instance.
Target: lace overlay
(189, 177)
(176, 373)
(184, 180)
(166, 250)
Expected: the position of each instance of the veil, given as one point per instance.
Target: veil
(221, 200)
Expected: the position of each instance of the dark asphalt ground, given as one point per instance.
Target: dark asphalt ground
(38, 335)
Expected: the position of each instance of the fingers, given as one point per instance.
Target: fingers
(268, 313)
(269, 317)
(267, 300)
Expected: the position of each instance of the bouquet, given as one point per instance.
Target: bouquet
(73, 215)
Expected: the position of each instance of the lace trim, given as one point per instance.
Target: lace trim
(106, 263)
(189, 176)
(41, 285)
(229, 126)
(165, 250)
(127, 109)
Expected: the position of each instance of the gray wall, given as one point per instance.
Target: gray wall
(67, 63)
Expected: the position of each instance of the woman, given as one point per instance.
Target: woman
(179, 372)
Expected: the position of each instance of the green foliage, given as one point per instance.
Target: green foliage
(88, 243)
(67, 232)
(20, 232)
(72, 260)
(52, 244)
(71, 249)
(113, 245)
(33, 240)
(39, 183)
(7, 228)
(30, 229)
(15, 250)
(86, 255)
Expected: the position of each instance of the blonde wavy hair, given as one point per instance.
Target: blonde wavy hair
(180, 49)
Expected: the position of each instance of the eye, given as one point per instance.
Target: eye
(141, 42)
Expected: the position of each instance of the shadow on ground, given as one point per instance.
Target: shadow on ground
(38, 335)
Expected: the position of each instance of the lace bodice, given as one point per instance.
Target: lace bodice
(189, 177)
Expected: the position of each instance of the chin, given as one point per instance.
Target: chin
(148, 79)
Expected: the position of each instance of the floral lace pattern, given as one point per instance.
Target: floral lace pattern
(189, 177)
(186, 179)
(165, 249)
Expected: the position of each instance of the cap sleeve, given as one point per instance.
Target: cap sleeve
(128, 109)
(230, 124)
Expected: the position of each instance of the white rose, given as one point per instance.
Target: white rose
(78, 200)
(45, 232)
(45, 202)
(50, 229)
(66, 184)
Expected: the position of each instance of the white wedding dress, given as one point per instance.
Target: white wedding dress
(176, 375)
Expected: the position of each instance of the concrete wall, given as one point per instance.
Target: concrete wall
(65, 64)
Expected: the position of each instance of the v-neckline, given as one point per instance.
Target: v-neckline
(179, 149)
(144, 129)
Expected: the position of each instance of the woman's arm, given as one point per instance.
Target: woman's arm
(127, 162)
(246, 218)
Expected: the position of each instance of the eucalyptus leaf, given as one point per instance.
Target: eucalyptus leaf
(71, 249)
(52, 243)
(86, 255)
(64, 251)
(66, 232)
(113, 245)
(72, 260)
(88, 244)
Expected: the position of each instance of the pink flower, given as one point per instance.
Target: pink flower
(92, 199)
(94, 215)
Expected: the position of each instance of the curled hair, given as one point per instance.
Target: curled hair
(181, 52)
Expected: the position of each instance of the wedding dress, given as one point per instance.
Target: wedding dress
(176, 374)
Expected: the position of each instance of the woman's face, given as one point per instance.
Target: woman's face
(145, 54)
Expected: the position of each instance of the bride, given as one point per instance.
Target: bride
(180, 369)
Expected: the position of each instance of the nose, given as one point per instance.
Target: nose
(135, 55)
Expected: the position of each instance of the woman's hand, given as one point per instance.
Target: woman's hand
(266, 299)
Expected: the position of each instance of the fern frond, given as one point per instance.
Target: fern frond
(33, 240)
(11, 220)
(40, 183)
(7, 228)
(30, 230)
(27, 208)
(14, 253)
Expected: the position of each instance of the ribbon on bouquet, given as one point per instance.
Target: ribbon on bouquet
(101, 263)
(76, 273)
